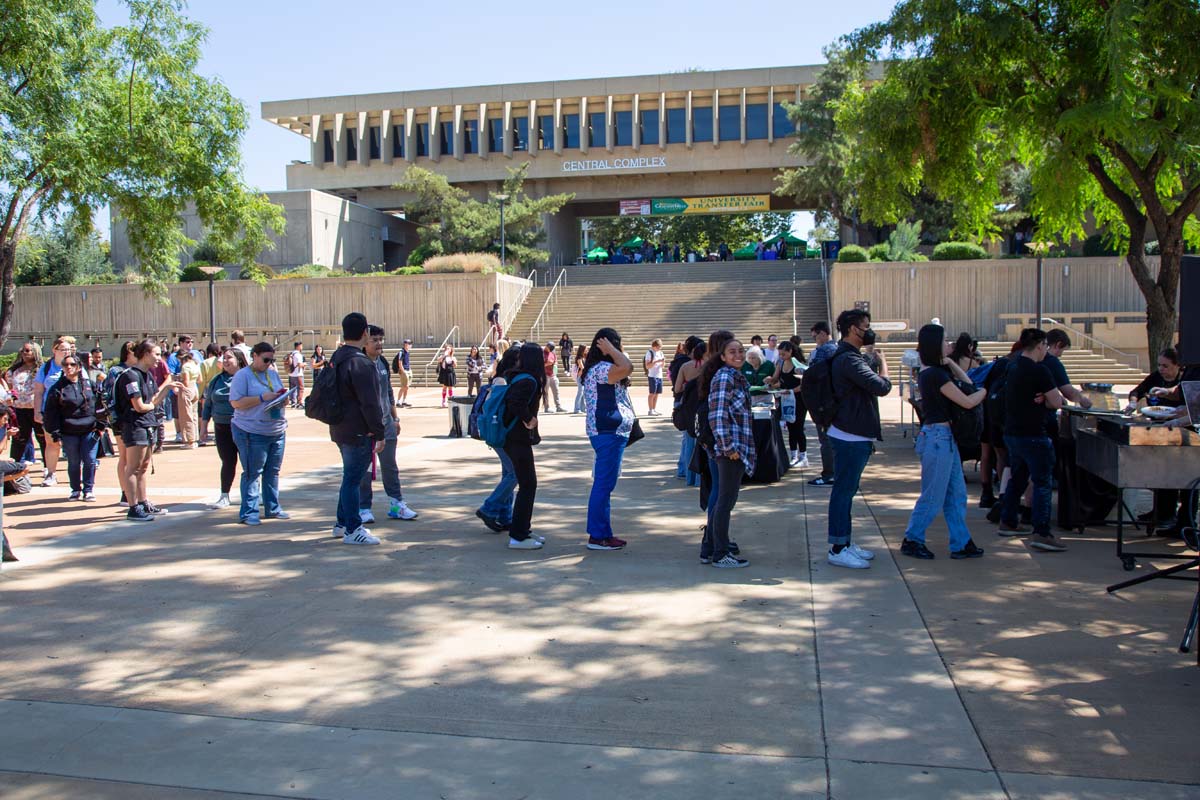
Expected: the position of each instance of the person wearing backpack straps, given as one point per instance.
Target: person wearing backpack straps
(71, 417)
(688, 401)
(520, 411)
(943, 487)
(857, 389)
(610, 420)
(497, 510)
(826, 348)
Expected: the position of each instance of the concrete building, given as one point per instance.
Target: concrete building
(322, 228)
(690, 135)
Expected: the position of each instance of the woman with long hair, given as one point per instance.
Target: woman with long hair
(70, 417)
(219, 411)
(725, 396)
(942, 485)
(187, 399)
(137, 399)
(787, 377)
(497, 510)
(260, 433)
(577, 362)
(966, 352)
(20, 377)
(446, 374)
(610, 417)
(474, 370)
(525, 381)
(684, 375)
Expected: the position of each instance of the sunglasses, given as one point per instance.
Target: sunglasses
(70, 364)
(268, 359)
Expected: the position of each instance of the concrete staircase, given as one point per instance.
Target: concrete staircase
(1083, 366)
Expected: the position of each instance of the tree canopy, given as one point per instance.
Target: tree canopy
(454, 222)
(57, 256)
(700, 232)
(119, 116)
(1099, 100)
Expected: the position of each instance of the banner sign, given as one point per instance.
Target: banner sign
(607, 164)
(733, 204)
(636, 208)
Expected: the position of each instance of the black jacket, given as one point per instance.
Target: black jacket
(857, 389)
(362, 414)
(70, 408)
(521, 403)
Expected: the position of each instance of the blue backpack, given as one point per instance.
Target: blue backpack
(490, 422)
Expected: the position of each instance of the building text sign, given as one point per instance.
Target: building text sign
(732, 204)
(611, 164)
(635, 208)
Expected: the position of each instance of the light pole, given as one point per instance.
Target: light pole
(212, 273)
(1040, 249)
(502, 198)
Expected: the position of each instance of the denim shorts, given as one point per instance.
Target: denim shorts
(655, 385)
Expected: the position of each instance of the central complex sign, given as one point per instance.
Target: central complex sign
(610, 164)
(668, 206)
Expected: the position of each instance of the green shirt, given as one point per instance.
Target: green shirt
(757, 377)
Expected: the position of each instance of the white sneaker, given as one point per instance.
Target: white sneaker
(360, 536)
(795, 457)
(339, 531)
(524, 544)
(365, 515)
(220, 502)
(847, 559)
(49, 480)
(802, 461)
(400, 510)
(861, 552)
(89, 497)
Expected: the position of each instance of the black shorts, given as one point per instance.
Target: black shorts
(136, 436)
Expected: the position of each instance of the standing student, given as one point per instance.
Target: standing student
(550, 359)
(219, 411)
(362, 429)
(136, 400)
(405, 373)
(520, 409)
(943, 487)
(825, 348)
(317, 360)
(20, 377)
(260, 433)
(187, 399)
(474, 370)
(71, 418)
(787, 377)
(295, 370)
(210, 367)
(497, 510)
(125, 360)
(565, 346)
(653, 363)
(577, 361)
(493, 319)
(855, 426)
(237, 340)
(725, 396)
(771, 351)
(397, 508)
(446, 374)
(44, 378)
(687, 373)
(610, 418)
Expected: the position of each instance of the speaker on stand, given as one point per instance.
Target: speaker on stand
(1189, 310)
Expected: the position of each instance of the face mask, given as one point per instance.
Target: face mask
(868, 337)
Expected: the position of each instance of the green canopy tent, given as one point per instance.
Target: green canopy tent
(597, 254)
(795, 246)
(744, 253)
(633, 243)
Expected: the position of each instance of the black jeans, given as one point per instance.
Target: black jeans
(472, 384)
(796, 438)
(729, 474)
(521, 455)
(227, 450)
(25, 428)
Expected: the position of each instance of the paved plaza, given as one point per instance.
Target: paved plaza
(197, 658)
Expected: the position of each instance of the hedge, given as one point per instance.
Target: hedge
(878, 252)
(958, 251)
(853, 252)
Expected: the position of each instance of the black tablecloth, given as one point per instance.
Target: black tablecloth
(1083, 499)
(772, 455)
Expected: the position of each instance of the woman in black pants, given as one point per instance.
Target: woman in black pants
(20, 379)
(520, 409)
(787, 377)
(725, 393)
(218, 409)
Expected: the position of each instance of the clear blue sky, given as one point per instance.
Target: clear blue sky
(277, 50)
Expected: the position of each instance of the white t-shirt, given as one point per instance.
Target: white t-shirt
(245, 348)
(656, 360)
(295, 360)
(771, 354)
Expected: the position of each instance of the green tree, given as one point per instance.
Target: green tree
(1099, 100)
(454, 222)
(702, 232)
(119, 116)
(60, 256)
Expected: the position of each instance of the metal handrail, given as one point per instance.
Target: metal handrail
(508, 315)
(1137, 359)
(438, 354)
(559, 282)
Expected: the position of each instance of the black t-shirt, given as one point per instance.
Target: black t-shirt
(135, 383)
(1156, 381)
(934, 404)
(1022, 416)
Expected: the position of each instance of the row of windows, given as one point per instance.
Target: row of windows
(759, 119)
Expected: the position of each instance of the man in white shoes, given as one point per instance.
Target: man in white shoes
(855, 426)
(361, 431)
(390, 471)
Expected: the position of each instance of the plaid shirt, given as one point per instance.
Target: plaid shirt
(729, 416)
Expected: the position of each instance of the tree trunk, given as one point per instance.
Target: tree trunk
(1162, 315)
(8, 286)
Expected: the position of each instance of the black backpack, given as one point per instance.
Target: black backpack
(396, 365)
(816, 387)
(996, 391)
(966, 424)
(683, 417)
(324, 401)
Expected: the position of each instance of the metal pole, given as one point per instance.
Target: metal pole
(502, 248)
(212, 310)
(1038, 324)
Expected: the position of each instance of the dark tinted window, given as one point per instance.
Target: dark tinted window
(471, 136)
(598, 130)
(624, 133)
(447, 143)
(422, 139)
(676, 125)
(373, 142)
(782, 125)
(546, 132)
(649, 127)
(397, 141)
(702, 124)
(520, 133)
(351, 144)
(327, 139)
(571, 131)
(731, 123)
(756, 121)
(495, 135)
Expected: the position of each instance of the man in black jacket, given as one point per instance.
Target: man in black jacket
(857, 389)
(360, 433)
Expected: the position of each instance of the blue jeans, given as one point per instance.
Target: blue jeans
(261, 458)
(610, 450)
(580, 405)
(1029, 457)
(356, 460)
(499, 504)
(389, 473)
(849, 461)
(81, 460)
(943, 487)
(686, 449)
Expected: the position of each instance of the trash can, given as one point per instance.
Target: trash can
(460, 410)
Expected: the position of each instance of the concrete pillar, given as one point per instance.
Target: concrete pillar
(662, 121)
(687, 120)
(339, 139)
(743, 117)
(771, 115)
(459, 136)
(316, 142)
(610, 125)
(716, 119)
(558, 126)
(386, 137)
(562, 235)
(637, 125)
(583, 125)
(364, 140)
(435, 135)
(484, 131)
(410, 134)
(508, 129)
(531, 146)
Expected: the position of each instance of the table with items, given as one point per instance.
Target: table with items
(771, 462)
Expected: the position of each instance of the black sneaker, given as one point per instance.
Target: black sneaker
(1027, 515)
(993, 515)
(730, 561)
(970, 550)
(916, 549)
(492, 523)
(153, 509)
(987, 501)
(137, 513)
(821, 482)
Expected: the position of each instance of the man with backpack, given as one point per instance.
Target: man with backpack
(295, 369)
(493, 318)
(824, 350)
(854, 426)
(402, 366)
(356, 421)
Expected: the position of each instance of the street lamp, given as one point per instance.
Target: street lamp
(502, 199)
(1040, 249)
(212, 273)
